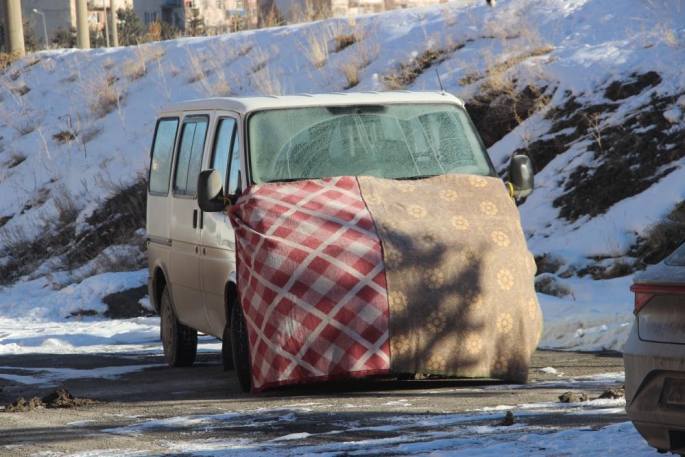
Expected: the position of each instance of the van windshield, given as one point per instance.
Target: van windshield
(398, 141)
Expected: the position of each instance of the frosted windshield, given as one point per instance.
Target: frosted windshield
(390, 141)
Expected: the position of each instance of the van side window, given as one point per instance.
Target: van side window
(189, 159)
(162, 151)
(222, 147)
(234, 173)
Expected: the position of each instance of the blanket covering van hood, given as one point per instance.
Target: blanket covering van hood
(354, 276)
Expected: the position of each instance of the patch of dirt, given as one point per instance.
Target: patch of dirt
(619, 90)
(406, 73)
(114, 222)
(631, 156)
(125, 305)
(495, 113)
(570, 397)
(662, 238)
(22, 406)
(619, 392)
(508, 420)
(60, 398)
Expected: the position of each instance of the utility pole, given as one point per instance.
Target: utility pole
(82, 35)
(115, 32)
(14, 29)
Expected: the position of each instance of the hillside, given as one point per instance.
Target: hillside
(592, 90)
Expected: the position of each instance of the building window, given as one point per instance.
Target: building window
(150, 17)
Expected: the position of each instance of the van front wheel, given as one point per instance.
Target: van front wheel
(179, 341)
(241, 347)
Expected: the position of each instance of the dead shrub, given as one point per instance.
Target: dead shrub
(64, 136)
(16, 158)
(114, 222)
(101, 97)
(662, 238)
(344, 41)
(350, 71)
(8, 59)
(67, 210)
(406, 74)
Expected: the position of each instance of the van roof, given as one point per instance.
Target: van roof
(254, 103)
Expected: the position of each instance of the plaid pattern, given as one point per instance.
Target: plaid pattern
(312, 282)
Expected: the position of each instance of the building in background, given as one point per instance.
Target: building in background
(209, 16)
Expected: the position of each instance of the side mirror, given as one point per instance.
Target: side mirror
(521, 176)
(210, 191)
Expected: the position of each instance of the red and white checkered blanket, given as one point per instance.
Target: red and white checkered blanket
(311, 281)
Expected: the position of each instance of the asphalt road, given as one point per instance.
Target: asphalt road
(218, 410)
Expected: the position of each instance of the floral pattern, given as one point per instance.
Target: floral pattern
(478, 181)
(428, 240)
(468, 256)
(433, 278)
(400, 345)
(473, 299)
(500, 238)
(505, 323)
(436, 322)
(460, 223)
(436, 363)
(397, 301)
(500, 366)
(393, 256)
(473, 343)
(505, 279)
(372, 199)
(417, 211)
(488, 208)
(449, 195)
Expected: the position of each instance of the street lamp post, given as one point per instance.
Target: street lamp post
(45, 29)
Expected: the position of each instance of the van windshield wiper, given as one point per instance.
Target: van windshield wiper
(413, 178)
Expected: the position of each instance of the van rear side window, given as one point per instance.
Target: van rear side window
(162, 151)
(189, 160)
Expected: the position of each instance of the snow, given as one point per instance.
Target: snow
(473, 433)
(592, 42)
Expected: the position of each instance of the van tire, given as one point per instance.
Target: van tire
(241, 348)
(179, 341)
(227, 347)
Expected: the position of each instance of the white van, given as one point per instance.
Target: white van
(209, 156)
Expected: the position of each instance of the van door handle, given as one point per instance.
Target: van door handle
(194, 218)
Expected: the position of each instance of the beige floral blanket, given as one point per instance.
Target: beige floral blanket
(459, 276)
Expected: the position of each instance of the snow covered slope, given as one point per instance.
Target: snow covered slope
(75, 128)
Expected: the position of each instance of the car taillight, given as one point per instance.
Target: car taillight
(645, 292)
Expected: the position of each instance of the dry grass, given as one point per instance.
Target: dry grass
(197, 73)
(264, 80)
(8, 59)
(67, 210)
(16, 158)
(315, 47)
(136, 67)
(662, 237)
(101, 95)
(364, 52)
(405, 74)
